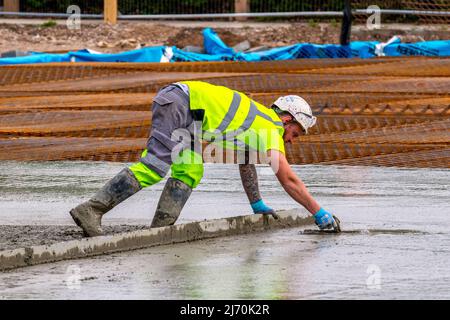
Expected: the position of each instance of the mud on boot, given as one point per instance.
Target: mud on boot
(88, 215)
(171, 202)
(88, 218)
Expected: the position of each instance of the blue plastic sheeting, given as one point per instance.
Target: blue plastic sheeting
(438, 48)
(363, 49)
(184, 56)
(148, 54)
(214, 45)
(357, 49)
(333, 51)
(283, 53)
(36, 58)
(217, 50)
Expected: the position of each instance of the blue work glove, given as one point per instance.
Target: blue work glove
(326, 220)
(259, 207)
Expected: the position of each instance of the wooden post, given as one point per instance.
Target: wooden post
(241, 6)
(110, 11)
(11, 5)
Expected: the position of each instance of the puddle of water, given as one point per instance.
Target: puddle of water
(395, 242)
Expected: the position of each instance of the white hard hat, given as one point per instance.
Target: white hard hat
(299, 109)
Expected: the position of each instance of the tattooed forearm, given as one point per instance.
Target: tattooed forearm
(249, 179)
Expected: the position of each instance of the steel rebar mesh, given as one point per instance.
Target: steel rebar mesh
(389, 112)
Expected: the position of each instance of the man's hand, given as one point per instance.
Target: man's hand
(297, 190)
(260, 207)
(325, 220)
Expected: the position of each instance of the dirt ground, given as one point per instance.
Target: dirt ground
(133, 35)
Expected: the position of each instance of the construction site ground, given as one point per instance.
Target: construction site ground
(31, 35)
(383, 111)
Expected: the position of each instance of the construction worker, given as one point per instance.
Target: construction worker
(179, 112)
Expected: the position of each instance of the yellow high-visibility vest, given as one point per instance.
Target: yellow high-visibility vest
(234, 118)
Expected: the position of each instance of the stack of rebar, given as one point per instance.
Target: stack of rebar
(384, 112)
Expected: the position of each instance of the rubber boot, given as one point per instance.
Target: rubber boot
(88, 215)
(171, 202)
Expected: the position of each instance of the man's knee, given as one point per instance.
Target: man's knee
(145, 175)
(190, 174)
(188, 168)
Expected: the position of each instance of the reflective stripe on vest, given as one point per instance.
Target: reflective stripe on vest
(202, 92)
(252, 113)
(229, 116)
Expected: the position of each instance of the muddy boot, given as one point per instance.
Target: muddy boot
(171, 202)
(88, 215)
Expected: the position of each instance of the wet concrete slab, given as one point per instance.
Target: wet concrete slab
(284, 264)
(395, 242)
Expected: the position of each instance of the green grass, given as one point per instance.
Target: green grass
(312, 23)
(48, 24)
(334, 23)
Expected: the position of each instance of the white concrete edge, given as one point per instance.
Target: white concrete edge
(76, 249)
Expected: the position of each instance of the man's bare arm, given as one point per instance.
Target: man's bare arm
(291, 183)
(249, 179)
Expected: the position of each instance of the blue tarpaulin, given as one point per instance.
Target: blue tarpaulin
(36, 58)
(367, 49)
(214, 45)
(283, 53)
(217, 50)
(184, 56)
(363, 49)
(148, 54)
(438, 48)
